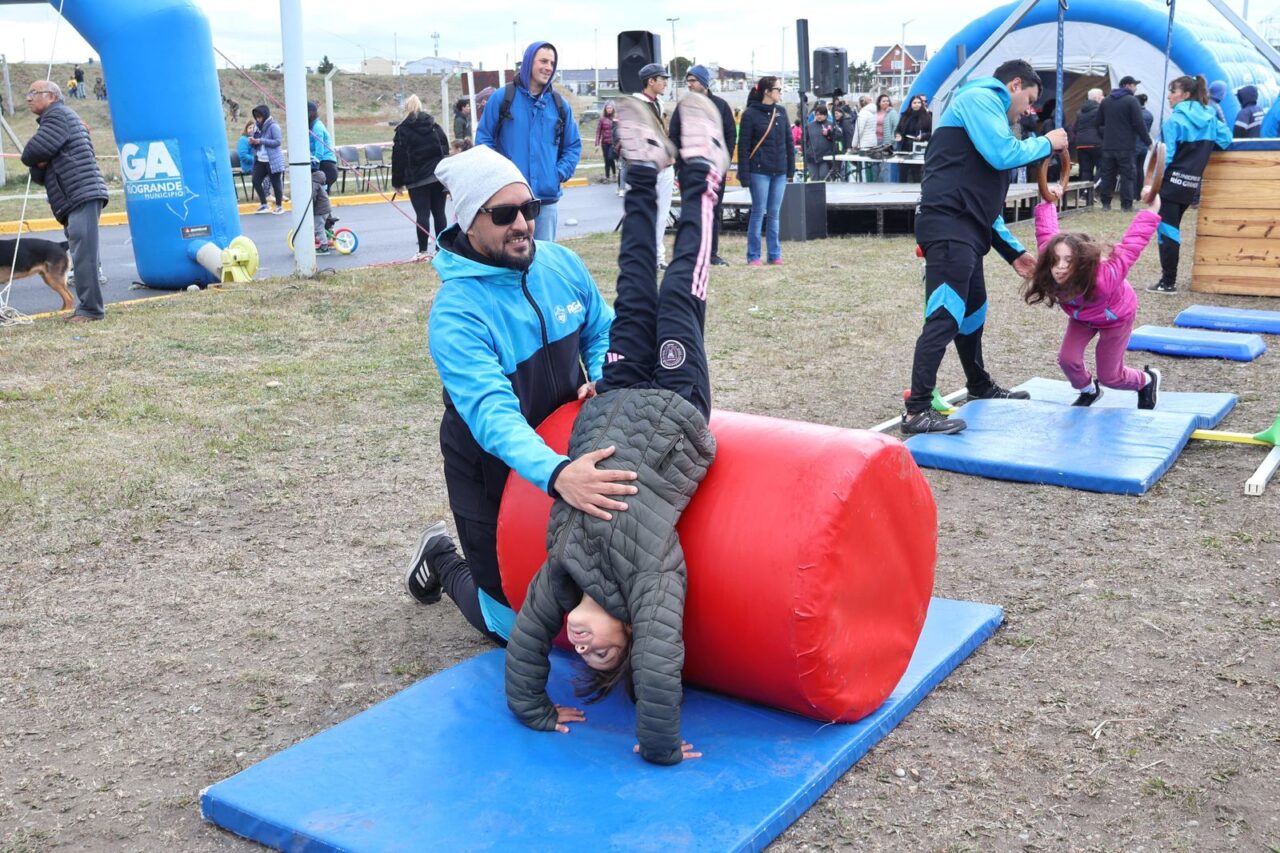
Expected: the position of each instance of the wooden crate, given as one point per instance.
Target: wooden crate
(1237, 248)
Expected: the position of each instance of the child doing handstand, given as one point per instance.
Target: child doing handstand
(621, 580)
(1077, 272)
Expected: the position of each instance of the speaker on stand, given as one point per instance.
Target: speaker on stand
(636, 49)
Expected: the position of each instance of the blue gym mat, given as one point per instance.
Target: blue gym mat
(1119, 451)
(1209, 408)
(1230, 319)
(1197, 343)
(443, 765)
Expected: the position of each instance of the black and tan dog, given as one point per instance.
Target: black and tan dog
(45, 257)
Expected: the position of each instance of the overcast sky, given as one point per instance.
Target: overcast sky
(249, 30)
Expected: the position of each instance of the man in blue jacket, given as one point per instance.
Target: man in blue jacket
(967, 171)
(510, 330)
(531, 125)
(1271, 124)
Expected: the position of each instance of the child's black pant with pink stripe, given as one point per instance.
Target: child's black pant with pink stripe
(656, 340)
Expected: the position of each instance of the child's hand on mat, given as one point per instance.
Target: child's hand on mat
(587, 488)
(686, 751)
(586, 392)
(568, 715)
(1025, 265)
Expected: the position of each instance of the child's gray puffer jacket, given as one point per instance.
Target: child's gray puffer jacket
(632, 566)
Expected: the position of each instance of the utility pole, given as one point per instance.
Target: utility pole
(515, 51)
(902, 69)
(436, 37)
(297, 139)
(675, 81)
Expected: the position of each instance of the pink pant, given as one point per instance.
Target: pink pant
(1109, 355)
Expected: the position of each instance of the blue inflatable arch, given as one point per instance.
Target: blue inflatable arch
(1112, 38)
(157, 63)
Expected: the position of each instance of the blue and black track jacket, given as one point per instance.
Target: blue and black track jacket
(967, 171)
(1189, 134)
(510, 346)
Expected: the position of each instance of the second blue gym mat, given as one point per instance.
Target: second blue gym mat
(443, 765)
(1229, 319)
(1120, 451)
(1197, 343)
(1208, 407)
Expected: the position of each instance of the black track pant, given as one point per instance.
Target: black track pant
(1117, 163)
(462, 578)
(261, 174)
(657, 335)
(955, 310)
(1169, 239)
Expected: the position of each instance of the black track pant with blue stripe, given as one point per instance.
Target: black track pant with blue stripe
(1169, 240)
(955, 310)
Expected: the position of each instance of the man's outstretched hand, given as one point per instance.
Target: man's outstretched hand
(585, 487)
(1024, 265)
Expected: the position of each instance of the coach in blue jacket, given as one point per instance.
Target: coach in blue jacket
(967, 171)
(510, 331)
(533, 127)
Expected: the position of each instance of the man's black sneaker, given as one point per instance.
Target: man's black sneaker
(717, 261)
(1147, 393)
(1161, 287)
(930, 420)
(1088, 398)
(422, 583)
(995, 392)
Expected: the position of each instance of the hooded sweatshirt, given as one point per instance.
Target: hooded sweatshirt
(529, 133)
(1121, 124)
(269, 133)
(509, 346)
(1249, 119)
(967, 170)
(1189, 134)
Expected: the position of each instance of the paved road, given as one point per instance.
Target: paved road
(385, 235)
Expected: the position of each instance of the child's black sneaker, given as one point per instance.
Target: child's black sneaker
(1147, 393)
(1162, 287)
(702, 132)
(641, 139)
(421, 582)
(1088, 398)
(930, 420)
(995, 392)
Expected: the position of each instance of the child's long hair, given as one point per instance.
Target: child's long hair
(592, 685)
(1086, 255)
(1197, 87)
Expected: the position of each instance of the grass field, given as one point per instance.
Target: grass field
(207, 501)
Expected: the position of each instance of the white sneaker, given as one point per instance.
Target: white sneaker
(640, 136)
(701, 133)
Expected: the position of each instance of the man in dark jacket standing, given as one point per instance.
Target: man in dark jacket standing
(1089, 139)
(60, 156)
(462, 119)
(699, 80)
(1120, 120)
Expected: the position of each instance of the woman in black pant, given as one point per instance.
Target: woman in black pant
(418, 146)
(605, 140)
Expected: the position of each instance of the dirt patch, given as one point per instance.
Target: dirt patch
(207, 502)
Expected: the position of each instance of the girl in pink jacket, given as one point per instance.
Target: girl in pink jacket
(1088, 282)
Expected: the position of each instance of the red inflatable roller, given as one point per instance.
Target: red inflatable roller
(810, 551)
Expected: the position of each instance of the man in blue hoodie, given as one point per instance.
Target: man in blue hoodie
(967, 170)
(510, 330)
(1249, 119)
(533, 127)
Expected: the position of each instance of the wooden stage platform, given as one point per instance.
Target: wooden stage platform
(884, 208)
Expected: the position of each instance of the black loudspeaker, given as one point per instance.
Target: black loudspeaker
(830, 72)
(636, 49)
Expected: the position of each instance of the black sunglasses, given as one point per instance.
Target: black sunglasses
(505, 214)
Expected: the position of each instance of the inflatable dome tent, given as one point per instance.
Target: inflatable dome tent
(1105, 40)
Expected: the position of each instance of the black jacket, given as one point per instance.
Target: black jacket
(775, 156)
(914, 126)
(1088, 133)
(726, 120)
(1121, 124)
(632, 565)
(419, 145)
(1249, 119)
(71, 176)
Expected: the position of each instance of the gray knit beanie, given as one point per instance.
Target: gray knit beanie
(473, 177)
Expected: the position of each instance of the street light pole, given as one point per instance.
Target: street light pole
(902, 69)
(675, 81)
(515, 53)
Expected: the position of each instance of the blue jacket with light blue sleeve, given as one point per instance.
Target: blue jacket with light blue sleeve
(510, 346)
(1190, 134)
(321, 143)
(539, 135)
(967, 171)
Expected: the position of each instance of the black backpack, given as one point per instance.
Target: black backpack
(504, 112)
